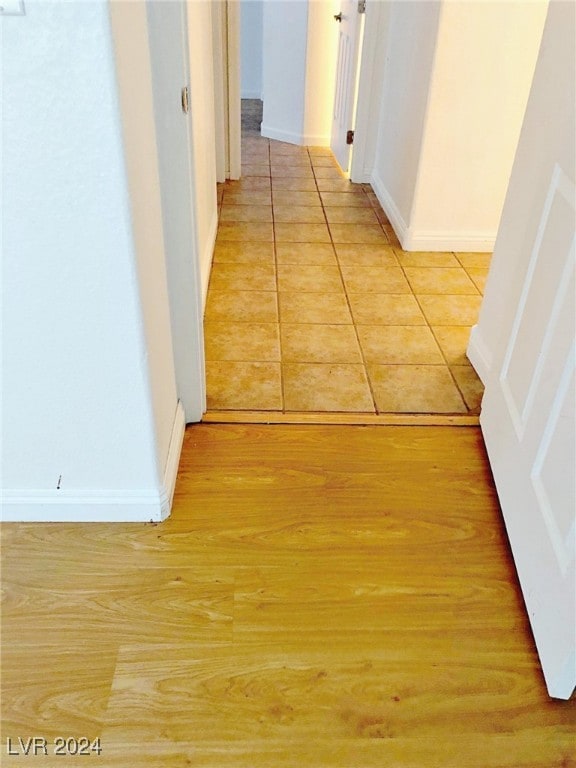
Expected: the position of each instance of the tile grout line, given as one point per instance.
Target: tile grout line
(429, 325)
(339, 266)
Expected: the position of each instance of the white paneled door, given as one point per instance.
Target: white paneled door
(529, 424)
(349, 21)
(167, 27)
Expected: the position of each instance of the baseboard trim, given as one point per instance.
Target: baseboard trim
(422, 240)
(390, 208)
(300, 139)
(466, 242)
(100, 505)
(208, 257)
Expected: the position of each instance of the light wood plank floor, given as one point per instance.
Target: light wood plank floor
(322, 597)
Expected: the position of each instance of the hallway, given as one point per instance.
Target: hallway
(314, 308)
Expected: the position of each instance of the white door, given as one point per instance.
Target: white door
(349, 21)
(170, 80)
(526, 335)
(529, 424)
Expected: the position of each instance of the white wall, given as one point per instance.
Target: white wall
(411, 34)
(483, 69)
(456, 81)
(88, 396)
(299, 60)
(251, 15)
(285, 29)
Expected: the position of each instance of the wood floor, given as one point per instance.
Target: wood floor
(322, 597)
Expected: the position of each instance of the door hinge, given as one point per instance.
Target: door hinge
(185, 100)
(361, 6)
(349, 137)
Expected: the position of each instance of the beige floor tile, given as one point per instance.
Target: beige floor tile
(385, 309)
(314, 279)
(397, 344)
(450, 310)
(260, 169)
(229, 252)
(303, 233)
(249, 183)
(244, 386)
(478, 275)
(291, 171)
(474, 259)
(364, 254)
(296, 197)
(330, 173)
(358, 233)
(231, 213)
(315, 151)
(248, 197)
(324, 308)
(453, 341)
(391, 235)
(242, 306)
(351, 215)
(316, 343)
(299, 214)
(374, 279)
(242, 231)
(283, 148)
(381, 215)
(283, 160)
(323, 160)
(242, 342)
(295, 184)
(243, 277)
(415, 389)
(356, 198)
(469, 384)
(440, 280)
(326, 387)
(256, 154)
(312, 254)
(337, 185)
(426, 259)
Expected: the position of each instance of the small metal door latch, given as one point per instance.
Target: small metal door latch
(361, 6)
(338, 16)
(349, 137)
(185, 100)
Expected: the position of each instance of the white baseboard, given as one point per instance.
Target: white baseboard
(300, 139)
(420, 240)
(207, 257)
(390, 208)
(100, 505)
(479, 355)
(465, 242)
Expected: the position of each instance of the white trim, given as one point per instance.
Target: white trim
(251, 95)
(451, 240)
(207, 258)
(455, 240)
(479, 355)
(390, 208)
(173, 458)
(233, 75)
(301, 139)
(146, 505)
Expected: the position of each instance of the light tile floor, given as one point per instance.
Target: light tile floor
(314, 307)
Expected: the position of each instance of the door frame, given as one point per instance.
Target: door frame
(226, 37)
